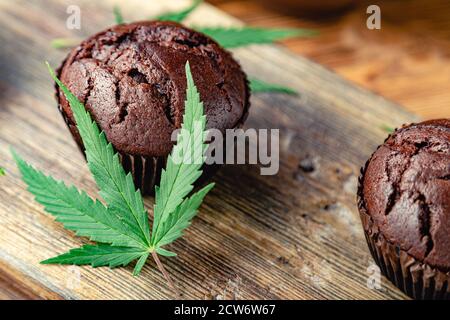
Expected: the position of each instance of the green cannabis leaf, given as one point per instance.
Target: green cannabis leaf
(233, 37)
(387, 128)
(118, 18)
(76, 210)
(179, 16)
(121, 228)
(99, 256)
(2, 172)
(178, 178)
(262, 86)
(63, 43)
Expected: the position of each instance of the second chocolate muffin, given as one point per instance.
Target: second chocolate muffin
(404, 203)
(131, 79)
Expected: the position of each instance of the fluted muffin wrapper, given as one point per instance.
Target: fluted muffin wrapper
(414, 277)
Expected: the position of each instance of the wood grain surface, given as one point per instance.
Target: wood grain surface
(295, 235)
(407, 61)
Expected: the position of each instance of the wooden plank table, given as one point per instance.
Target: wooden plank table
(296, 235)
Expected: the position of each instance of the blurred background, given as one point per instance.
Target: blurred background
(407, 61)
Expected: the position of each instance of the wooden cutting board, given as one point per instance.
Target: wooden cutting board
(296, 235)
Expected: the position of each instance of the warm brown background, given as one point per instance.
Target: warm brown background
(407, 61)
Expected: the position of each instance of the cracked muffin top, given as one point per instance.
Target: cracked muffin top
(406, 191)
(132, 80)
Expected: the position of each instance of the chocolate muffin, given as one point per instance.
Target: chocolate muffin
(131, 79)
(404, 203)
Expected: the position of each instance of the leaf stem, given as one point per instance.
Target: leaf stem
(165, 273)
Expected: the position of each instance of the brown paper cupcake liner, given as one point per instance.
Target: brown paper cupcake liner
(415, 278)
